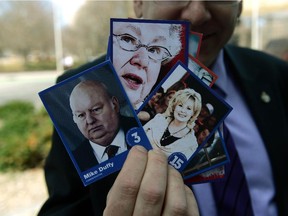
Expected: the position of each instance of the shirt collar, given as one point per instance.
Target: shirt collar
(99, 150)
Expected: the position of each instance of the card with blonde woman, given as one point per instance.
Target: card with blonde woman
(185, 105)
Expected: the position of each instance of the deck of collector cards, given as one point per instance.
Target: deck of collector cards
(69, 119)
(181, 151)
(148, 61)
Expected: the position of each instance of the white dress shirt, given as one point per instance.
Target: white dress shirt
(99, 151)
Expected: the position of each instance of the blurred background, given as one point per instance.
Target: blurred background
(41, 39)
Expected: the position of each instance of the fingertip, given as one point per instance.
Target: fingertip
(159, 152)
(140, 148)
(137, 152)
(174, 172)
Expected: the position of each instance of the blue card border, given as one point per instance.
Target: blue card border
(55, 105)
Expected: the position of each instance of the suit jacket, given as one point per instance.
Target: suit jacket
(256, 72)
(84, 155)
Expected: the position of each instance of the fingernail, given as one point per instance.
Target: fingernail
(159, 151)
(141, 148)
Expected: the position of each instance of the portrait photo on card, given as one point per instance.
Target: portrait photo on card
(144, 51)
(186, 103)
(212, 154)
(95, 120)
(201, 71)
(195, 40)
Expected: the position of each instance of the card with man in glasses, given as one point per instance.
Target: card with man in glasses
(143, 51)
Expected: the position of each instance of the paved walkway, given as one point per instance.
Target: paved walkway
(25, 85)
(22, 193)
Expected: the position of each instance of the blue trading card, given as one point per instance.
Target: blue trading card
(212, 155)
(144, 51)
(174, 112)
(95, 120)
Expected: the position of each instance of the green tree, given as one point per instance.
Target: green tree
(26, 27)
(88, 37)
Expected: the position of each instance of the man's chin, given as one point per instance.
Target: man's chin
(100, 140)
(207, 55)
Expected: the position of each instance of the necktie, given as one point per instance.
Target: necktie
(231, 194)
(111, 150)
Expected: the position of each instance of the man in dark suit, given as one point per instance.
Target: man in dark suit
(255, 84)
(97, 115)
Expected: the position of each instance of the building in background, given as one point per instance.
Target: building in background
(263, 26)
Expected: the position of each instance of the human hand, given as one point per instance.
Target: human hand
(143, 116)
(147, 185)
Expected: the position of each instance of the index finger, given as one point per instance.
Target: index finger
(153, 187)
(122, 196)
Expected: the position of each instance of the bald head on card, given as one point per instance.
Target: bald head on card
(95, 111)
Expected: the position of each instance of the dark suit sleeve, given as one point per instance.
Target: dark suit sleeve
(67, 194)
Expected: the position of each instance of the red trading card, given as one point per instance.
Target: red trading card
(215, 174)
(195, 40)
(200, 70)
(144, 51)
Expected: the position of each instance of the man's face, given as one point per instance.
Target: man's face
(137, 71)
(96, 114)
(204, 112)
(155, 98)
(215, 20)
(202, 136)
(169, 96)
